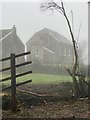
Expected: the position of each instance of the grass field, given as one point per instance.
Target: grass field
(40, 79)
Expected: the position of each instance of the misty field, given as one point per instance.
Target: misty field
(40, 79)
(55, 103)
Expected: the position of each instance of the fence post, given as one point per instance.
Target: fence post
(13, 83)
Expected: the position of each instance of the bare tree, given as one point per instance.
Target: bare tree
(59, 6)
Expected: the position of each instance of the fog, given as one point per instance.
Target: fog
(29, 20)
(48, 63)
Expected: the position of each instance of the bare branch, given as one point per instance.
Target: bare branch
(51, 5)
(69, 72)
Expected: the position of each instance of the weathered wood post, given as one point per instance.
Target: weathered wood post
(13, 83)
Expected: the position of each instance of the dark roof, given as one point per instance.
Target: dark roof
(4, 32)
(60, 38)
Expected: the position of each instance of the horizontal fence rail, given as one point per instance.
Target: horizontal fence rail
(26, 63)
(18, 75)
(22, 54)
(22, 74)
(19, 55)
(5, 79)
(5, 69)
(19, 65)
(19, 84)
(4, 59)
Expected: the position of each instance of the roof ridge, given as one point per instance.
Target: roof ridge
(5, 29)
(59, 37)
(58, 34)
(6, 35)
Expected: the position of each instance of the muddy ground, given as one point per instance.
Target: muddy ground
(54, 102)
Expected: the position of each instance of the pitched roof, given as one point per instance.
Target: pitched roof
(4, 32)
(60, 38)
(7, 32)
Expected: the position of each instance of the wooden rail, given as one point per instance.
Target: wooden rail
(5, 69)
(5, 79)
(19, 75)
(22, 74)
(4, 59)
(26, 63)
(19, 84)
(22, 54)
(19, 65)
(19, 55)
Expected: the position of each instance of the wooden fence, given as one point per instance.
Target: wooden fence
(14, 76)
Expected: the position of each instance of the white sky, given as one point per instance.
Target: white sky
(28, 18)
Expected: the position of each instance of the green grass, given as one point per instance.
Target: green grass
(48, 79)
(40, 79)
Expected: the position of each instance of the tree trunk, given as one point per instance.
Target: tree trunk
(76, 86)
(82, 86)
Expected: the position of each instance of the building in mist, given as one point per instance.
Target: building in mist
(50, 48)
(10, 43)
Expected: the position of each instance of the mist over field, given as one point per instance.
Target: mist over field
(44, 60)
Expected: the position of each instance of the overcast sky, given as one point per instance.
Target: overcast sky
(28, 19)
